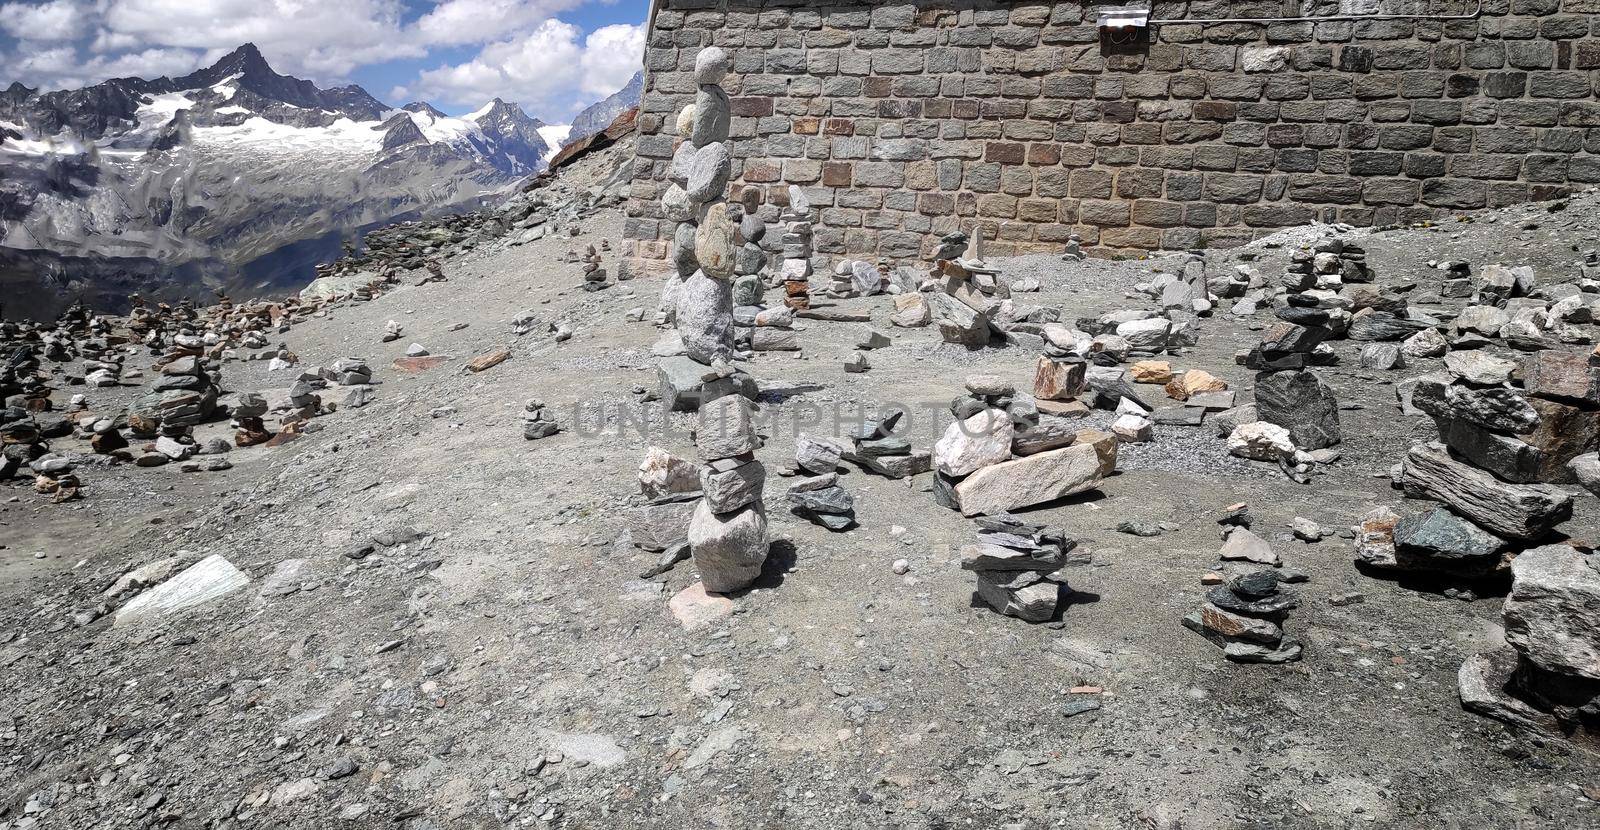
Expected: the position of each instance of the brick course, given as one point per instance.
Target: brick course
(907, 121)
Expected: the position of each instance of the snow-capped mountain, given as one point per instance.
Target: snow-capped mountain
(232, 177)
(599, 115)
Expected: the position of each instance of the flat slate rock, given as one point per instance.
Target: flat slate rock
(1514, 511)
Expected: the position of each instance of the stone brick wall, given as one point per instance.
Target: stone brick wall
(907, 121)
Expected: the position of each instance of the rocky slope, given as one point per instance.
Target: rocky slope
(233, 177)
(445, 623)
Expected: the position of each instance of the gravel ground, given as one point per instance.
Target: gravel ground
(510, 668)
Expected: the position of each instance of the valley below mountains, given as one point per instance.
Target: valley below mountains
(234, 179)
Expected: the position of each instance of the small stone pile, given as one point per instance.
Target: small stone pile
(184, 396)
(671, 486)
(594, 276)
(21, 441)
(1295, 418)
(842, 283)
(1546, 676)
(728, 531)
(982, 468)
(760, 328)
(877, 449)
(1245, 618)
(537, 420)
(1018, 566)
(820, 498)
(247, 411)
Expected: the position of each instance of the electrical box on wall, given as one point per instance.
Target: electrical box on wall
(1123, 24)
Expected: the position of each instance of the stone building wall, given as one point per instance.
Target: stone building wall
(905, 121)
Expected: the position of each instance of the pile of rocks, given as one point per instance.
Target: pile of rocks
(819, 498)
(594, 276)
(1546, 677)
(1245, 618)
(1018, 566)
(537, 420)
(728, 532)
(795, 272)
(1295, 418)
(21, 441)
(857, 278)
(981, 469)
(183, 396)
(877, 449)
(671, 486)
(1498, 444)
(971, 302)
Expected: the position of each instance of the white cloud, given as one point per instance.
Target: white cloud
(546, 70)
(56, 20)
(523, 52)
(611, 55)
(456, 22)
(306, 37)
(64, 67)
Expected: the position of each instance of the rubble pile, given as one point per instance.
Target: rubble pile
(1019, 566)
(979, 469)
(819, 497)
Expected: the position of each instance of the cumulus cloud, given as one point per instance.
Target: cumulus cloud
(42, 22)
(458, 22)
(519, 50)
(547, 70)
(306, 37)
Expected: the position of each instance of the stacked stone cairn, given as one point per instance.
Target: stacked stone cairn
(819, 498)
(1499, 445)
(876, 448)
(1019, 566)
(982, 468)
(795, 272)
(594, 276)
(537, 420)
(971, 302)
(21, 441)
(1245, 617)
(842, 284)
(728, 532)
(1546, 676)
(1295, 418)
(671, 487)
(704, 249)
(758, 327)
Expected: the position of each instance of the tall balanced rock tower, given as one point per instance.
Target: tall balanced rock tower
(698, 296)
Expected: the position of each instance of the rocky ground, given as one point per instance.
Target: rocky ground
(445, 624)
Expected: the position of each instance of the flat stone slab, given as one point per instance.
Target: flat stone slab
(696, 609)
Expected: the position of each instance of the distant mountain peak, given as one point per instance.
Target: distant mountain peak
(246, 59)
(598, 116)
(425, 108)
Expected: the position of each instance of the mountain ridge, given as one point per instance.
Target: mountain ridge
(206, 175)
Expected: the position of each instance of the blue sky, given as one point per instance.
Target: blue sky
(552, 56)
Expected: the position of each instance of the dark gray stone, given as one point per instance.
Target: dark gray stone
(1300, 402)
